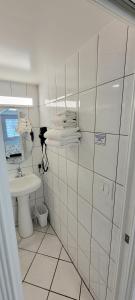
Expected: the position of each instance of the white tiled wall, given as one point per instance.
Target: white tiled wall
(16, 89)
(85, 185)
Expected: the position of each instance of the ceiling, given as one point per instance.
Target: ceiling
(37, 33)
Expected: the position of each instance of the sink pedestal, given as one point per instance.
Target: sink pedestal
(24, 216)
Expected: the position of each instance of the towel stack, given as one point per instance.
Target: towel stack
(65, 119)
(66, 131)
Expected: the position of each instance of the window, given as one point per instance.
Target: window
(11, 125)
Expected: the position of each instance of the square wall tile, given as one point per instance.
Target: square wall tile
(84, 213)
(72, 170)
(56, 189)
(84, 240)
(72, 201)
(120, 196)
(87, 110)
(60, 105)
(115, 245)
(19, 89)
(86, 150)
(72, 103)
(99, 260)
(52, 84)
(108, 107)
(128, 98)
(43, 93)
(33, 92)
(63, 192)
(64, 235)
(34, 116)
(112, 275)
(110, 295)
(111, 54)
(57, 224)
(42, 271)
(60, 82)
(72, 75)
(103, 195)
(83, 266)
(106, 157)
(130, 57)
(72, 248)
(122, 160)
(66, 281)
(97, 285)
(101, 230)
(72, 152)
(85, 181)
(5, 88)
(88, 64)
(63, 213)
(62, 169)
(72, 225)
(36, 137)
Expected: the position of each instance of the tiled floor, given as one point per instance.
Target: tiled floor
(47, 271)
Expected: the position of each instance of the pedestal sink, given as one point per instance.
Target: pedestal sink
(21, 187)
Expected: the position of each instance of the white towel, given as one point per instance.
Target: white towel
(67, 113)
(57, 134)
(56, 143)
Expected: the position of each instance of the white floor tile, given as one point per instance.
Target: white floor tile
(33, 242)
(66, 280)
(64, 255)
(25, 261)
(33, 293)
(42, 271)
(50, 246)
(53, 296)
(85, 295)
(50, 230)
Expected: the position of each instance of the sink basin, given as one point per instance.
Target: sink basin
(21, 187)
(24, 185)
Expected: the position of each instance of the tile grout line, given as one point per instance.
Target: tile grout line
(93, 159)
(75, 267)
(54, 273)
(49, 291)
(34, 257)
(80, 290)
(88, 89)
(44, 255)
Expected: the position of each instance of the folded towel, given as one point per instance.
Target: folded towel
(60, 143)
(57, 134)
(67, 113)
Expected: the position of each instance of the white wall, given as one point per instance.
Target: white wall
(16, 89)
(85, 185)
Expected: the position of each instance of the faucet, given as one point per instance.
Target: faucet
(19, 172)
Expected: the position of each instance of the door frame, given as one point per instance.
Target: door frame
(10, 275)
(127, 251)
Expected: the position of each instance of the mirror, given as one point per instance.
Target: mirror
(17, 134)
